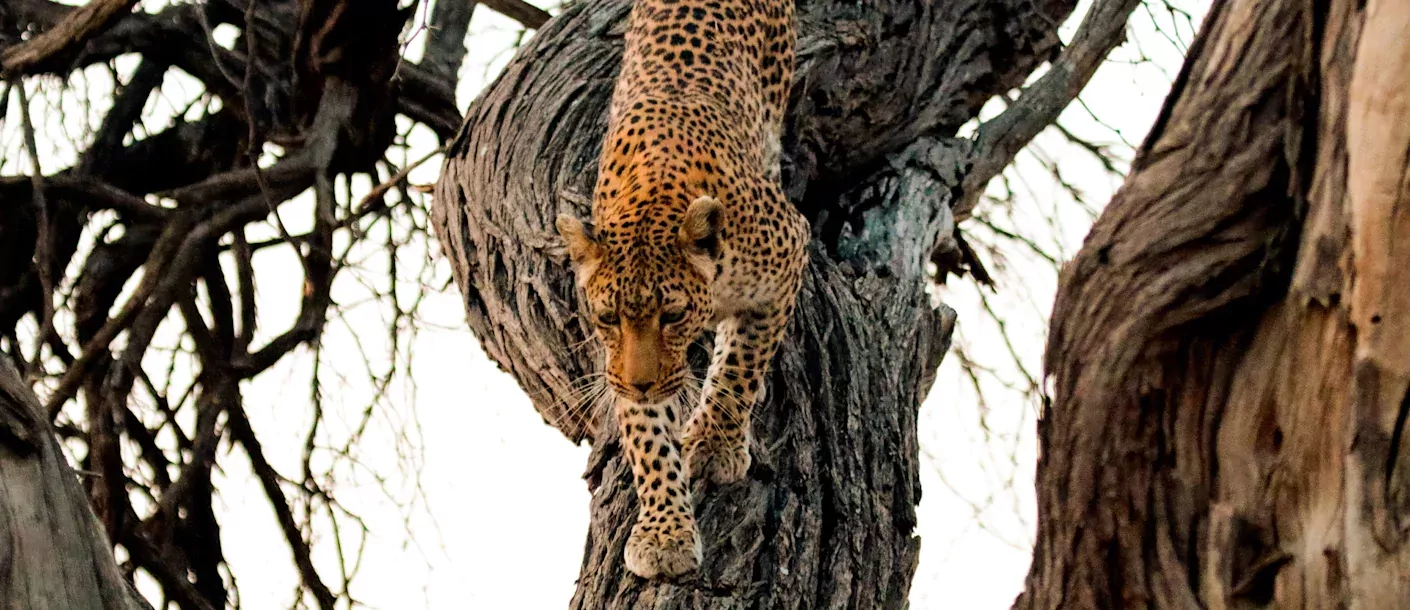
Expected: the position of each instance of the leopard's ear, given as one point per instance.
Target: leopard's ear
(700, 230)
(582, 244)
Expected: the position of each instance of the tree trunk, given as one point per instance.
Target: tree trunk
(53, 552)
(825, 518)
(1230, 351)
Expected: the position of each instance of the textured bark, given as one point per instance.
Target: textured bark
(826, 517)
(53, 552)
(1229, 349)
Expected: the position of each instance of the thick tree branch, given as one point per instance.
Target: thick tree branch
(55, 43)
(873, 83)
(103, 196)
(445, 42)
(128, 103)
(174, 580)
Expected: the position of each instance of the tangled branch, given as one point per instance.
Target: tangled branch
(147, 160)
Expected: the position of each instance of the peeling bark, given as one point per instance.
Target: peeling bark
(1378, 195)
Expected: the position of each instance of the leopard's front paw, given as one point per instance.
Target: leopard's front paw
(653, 551)
(715, 460)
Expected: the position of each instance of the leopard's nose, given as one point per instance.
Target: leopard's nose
(643, 386)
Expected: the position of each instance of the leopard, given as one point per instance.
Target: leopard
(690, 230)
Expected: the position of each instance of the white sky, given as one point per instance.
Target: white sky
(503, 512)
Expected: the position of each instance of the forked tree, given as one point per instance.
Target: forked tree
(826, 516)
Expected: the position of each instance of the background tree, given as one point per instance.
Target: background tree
(128, 283)
(1228, 350)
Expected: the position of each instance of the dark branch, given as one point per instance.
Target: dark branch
(445, 43)
(530, 16)
(269, 480)
(999, 139)
(51, 47)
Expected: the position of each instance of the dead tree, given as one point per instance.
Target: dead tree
(168, 205)
(1229, 350)
(825, 518)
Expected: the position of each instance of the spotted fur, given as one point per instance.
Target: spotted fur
(691, 231)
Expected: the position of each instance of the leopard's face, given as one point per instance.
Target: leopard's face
(647, 309)
(648, 299)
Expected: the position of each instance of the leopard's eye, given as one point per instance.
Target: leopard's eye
(671, 317)
(608, 318)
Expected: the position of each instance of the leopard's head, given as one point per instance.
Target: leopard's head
(645, 279)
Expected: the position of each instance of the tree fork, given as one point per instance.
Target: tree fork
(826, 517)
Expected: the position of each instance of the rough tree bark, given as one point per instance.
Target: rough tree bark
(826, 517)
(1229, 351)
(53, 552)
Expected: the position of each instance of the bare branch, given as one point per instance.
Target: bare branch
(269, 480)
(1000, 138)
(445, 43)
(530, 16)
(44, 242)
